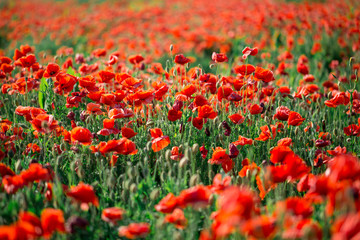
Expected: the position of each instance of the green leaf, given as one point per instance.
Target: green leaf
(43, 87)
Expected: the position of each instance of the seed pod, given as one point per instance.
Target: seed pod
(127, 184)
(148, 146)
(80, 172)
(183, 162)
(207, 132)
(211, 199)
(195, 148)
(149, 123)
(154, 195)
(131, 173)
(297, 130)
(111, 181)
(162, 176)
(170, 174)
(18, 166)
(266, 119)
(178, 236)
(133, 188)
(194, 180)
(211, 175)
(216, 120)
(188, 152)
(168, 155)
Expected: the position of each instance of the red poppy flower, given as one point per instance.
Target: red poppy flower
(127, 132)
(203, 151)
(112, 215)
(221, 157)
(44, 123)
(52, 70)
(249, 51)
(176, 154)
(122, 146)
(52, 220)
(264, 74)
(261, 227)
(237, 118)
(196, 197)
(81, 135)
(159, 141)
(64, 83)
(266, 134)
(219, 184)
(352, 130)
(282, 113)
(219, 57)
(181, 59)
(206, 111)
(177, 218)
(106, 76)
(84, 194)
(242, 141)
(255, 109)
(303, 229)
(134, 230)
(224, 92)
(27, 61)
(245, 69)
(5, 170)
(174, 115)
(35, 172)
(295, 119)
(279, 153)
(285, 142)
(167, 204)
(135, 59)
(117, 113)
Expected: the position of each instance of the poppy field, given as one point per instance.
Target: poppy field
(169, 119)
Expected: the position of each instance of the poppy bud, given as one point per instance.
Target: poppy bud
(111, 181)
(216, 120)
(127, 184)
(148, 146)
(171, 48)
(178, 236)
(207, 132)
(133, 188)
(75, 222)
(131, 173)
(289, 96)
(124, 195)
(195, 148)
(211, 174)
(168, 155)
(211, 199)
(348, 140)
(74, 149)
(188, 152)
(18, 166)
(266, 119)
(154, 195)
(194, 180)
(162, 176)
(184, 161)
(233, 151)
(80, 172)
(181, 148)
(171, 173)
(83, 116)
(212, 66)
(296, 130)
